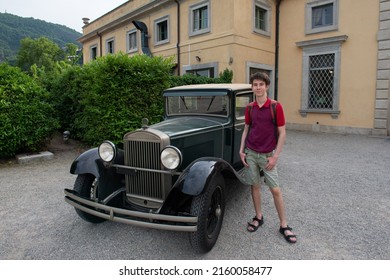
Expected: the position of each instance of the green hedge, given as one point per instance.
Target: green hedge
(26, 116)
(109, 96)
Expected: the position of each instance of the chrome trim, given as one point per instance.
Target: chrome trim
(168, 172)
(78, 202)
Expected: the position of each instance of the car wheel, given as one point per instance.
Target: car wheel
(210, 209)
(86, 186)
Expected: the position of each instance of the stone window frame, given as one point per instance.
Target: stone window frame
(157, 30)
(308, 16)
(318, 47)
(192, 9)
(265, 6)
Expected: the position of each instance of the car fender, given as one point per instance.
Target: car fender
(89, 162)
(86, 163)
(195, 177)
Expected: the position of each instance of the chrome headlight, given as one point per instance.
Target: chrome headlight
(171, 157)
(107, 151)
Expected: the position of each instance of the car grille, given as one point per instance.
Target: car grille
(142, 150)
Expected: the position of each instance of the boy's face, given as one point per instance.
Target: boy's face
(259, 87)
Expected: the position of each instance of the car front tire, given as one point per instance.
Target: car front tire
(210, 209)
(86, 186)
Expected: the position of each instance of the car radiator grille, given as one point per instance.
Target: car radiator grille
(142, 150)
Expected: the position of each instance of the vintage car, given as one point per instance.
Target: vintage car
(170, 175)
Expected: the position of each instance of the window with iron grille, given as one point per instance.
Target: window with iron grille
(261, 17)
(321, 75)
(321, 16)
(200, 18)
(161, 27)
(321, 81)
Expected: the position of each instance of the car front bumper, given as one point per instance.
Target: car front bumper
(136, 218)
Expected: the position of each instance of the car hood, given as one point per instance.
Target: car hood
(186, 125)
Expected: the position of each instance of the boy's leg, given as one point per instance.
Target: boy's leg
(279, 205)
(256, 197)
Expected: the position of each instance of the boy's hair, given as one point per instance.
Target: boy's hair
(262, 76)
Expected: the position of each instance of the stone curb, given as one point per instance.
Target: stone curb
(30, 158)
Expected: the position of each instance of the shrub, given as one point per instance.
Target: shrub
(117, 92)
(26, 117)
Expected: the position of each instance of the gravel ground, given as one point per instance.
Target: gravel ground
(336, 189)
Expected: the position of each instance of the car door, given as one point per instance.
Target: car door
(241, 100)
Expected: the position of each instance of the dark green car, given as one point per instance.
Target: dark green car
(170, 175)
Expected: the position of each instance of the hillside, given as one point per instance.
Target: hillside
(14, 28)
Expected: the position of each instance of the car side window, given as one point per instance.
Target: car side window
(242, 101)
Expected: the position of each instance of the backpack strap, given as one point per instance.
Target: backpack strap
(250, 108)
(273, 114)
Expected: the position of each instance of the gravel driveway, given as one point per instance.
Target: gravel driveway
(336, 190)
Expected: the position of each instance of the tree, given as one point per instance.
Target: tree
(41, 52)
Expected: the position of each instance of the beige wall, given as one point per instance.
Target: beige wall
(358, 19)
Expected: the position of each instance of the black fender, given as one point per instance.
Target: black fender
(89, 162)
(195, 177)
(193, 182)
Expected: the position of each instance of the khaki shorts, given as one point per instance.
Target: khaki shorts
(257, 162)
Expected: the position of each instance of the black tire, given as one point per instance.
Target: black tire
(86, 186)
(210, 209)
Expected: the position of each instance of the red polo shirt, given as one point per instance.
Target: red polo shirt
(261, 137)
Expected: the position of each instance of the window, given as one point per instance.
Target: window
(110, 46)
(161, 27)
(320, 77)
(321, 81)
(241, 102)
(200, 18)
(261, 18)
(321, 16)
(93, 52)
(132, 45)
(205, 70)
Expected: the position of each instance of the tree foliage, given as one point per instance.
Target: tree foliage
(41, 52)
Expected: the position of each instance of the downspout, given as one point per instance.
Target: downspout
(178, 37)
(277, 49)
(100, 44)
(144, 36)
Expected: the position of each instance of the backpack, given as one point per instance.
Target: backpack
(273, 115)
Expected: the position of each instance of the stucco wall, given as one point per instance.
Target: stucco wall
(358, 20)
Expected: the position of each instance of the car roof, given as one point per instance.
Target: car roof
(235, 86)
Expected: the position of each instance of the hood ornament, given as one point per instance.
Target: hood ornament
(145, 123)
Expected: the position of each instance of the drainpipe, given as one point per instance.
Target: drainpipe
(100, 44)
(277, 49)
(144, 36)
(178, 37)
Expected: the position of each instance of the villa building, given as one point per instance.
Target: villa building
(329, 60)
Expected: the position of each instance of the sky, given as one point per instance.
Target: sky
(64, 12)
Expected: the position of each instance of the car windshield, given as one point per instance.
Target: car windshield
(210, 105)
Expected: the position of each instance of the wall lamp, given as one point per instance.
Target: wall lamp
(198, 59)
